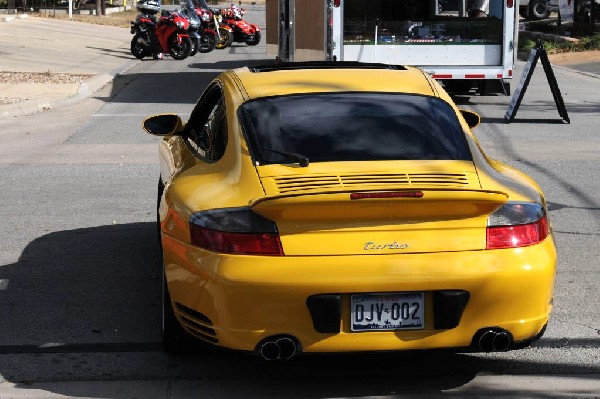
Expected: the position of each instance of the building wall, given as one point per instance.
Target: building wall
(272, 22)
(309, 25)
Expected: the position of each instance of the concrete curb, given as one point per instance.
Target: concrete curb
(85, 89)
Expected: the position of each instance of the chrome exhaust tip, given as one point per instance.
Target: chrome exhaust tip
(287, 348)
(278, 348)
(493, 340)
(502, 341)
(269, 350)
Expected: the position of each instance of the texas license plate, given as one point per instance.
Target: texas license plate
(387, 311)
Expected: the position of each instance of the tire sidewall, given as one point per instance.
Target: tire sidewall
(211, 44)
(536, 7)
(227, 39)
(137, 50)
(186, 44)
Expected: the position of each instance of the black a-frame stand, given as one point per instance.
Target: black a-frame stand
(537, 53)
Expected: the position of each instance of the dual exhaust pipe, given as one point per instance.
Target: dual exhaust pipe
(493, 340)
(278, 348)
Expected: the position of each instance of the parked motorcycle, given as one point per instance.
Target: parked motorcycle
(204, 39)
(243, 32)
(168, 34)
(187, 11)
(212, 20)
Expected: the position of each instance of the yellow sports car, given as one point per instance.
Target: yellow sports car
(339, 207)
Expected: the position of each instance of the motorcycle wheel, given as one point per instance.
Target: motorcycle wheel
(180, 51)
(255, 41)
(207, 43)
(138, 50)
(225, 40)
(195, 46)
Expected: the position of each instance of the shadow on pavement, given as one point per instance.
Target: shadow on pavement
(112, 52)
(91, 285)
(165, 88)
(83, 305)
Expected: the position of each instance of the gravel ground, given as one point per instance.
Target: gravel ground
(120, 19)
(37, 77)
(11, 77)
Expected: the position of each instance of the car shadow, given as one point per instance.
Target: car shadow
(91, 285)
(84, 305)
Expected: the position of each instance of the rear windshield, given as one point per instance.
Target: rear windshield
(352, 127)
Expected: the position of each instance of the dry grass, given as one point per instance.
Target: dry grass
(120, 19)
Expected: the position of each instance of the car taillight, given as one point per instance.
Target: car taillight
(516, 224)
(235, 231)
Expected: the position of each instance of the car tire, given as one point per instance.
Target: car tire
(538, 9)
(174, 338)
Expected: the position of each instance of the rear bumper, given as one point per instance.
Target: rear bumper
(240, 300)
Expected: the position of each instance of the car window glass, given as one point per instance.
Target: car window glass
(353, 127)
(206, 131)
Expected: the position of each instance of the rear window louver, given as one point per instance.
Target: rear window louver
(289, 66)
(307, 183)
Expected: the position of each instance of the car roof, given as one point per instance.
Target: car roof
(292, 78)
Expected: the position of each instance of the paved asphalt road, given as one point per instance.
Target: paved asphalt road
(79, 279)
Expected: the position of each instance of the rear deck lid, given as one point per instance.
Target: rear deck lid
(377, 207)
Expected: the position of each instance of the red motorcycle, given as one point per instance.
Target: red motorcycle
(167, 35)
(212, 20)
(203, 37)
(243, 32)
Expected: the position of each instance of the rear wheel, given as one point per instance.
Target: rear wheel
(255, 41)
(225, 40)
(175, 339)
(138, 50)
(208, 42)
(538, 9)
(180, 51)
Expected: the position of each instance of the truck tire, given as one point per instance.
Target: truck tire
(538, 9)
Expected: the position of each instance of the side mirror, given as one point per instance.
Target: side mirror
(472, 118)
(163, 125)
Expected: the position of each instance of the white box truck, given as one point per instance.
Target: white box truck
(465, 49)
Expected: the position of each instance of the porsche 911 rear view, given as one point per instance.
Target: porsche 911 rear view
(343, 207)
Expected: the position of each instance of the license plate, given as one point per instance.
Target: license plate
(387, 311)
